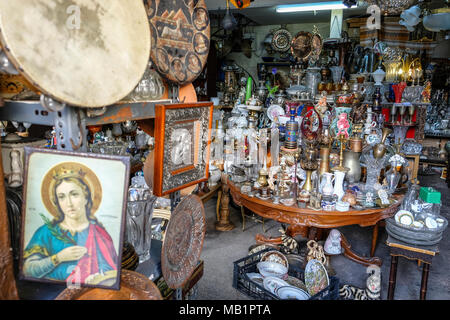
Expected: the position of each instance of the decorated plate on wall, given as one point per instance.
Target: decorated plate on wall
(281, 40)
(301, 46)
(180, 38)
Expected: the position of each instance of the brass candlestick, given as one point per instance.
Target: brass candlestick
(340, 167)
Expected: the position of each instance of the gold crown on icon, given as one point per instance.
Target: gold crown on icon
(63, 173)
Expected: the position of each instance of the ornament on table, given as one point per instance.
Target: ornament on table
(398, 91)
(343, 125)
(349, 197)
(332, 245)
(426, 93)
(384, 198)
(369, 201)
(321, 105)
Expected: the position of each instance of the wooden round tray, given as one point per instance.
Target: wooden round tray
(133, 286)
(183, 241)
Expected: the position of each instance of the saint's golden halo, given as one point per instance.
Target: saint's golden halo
(70, 169)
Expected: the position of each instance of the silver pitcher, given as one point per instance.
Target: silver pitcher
(351, 161)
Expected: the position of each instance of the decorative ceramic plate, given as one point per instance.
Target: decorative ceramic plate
(293, 281)
(292, 293)
(180, 38)
(275, 256)
(316, 277)
(259, 247)
(272, 284)
(274, 111)
(271, 269)
(281, 40)
(183, 242)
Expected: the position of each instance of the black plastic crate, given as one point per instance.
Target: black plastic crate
(252, 289)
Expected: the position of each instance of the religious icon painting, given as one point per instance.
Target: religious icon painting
(182, 146)
(73, 215)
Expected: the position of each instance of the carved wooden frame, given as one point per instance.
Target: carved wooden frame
(82, 158)
(194, 118)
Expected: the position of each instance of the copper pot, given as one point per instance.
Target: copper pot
(355, 144)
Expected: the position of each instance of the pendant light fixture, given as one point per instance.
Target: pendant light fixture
(229, 22)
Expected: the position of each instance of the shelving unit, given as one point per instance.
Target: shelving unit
(70, 123)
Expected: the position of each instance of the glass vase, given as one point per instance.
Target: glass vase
(139, 229)
(392, 178)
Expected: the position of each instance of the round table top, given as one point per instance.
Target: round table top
(310, 217)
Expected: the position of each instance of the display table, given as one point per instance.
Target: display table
(310, 223)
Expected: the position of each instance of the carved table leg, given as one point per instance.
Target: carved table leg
(224, 223)
(392, 277)
(374, 239)
(423, 285)
(353, 256)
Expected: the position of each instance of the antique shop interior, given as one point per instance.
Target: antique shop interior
(225, 150)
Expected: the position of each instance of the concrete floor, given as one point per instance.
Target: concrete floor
(221, 249)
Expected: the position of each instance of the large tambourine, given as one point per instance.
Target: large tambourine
(180, 33)
(86, 53)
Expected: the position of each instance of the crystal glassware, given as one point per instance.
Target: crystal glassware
(138, 229)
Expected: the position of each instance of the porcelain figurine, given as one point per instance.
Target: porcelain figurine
(15, 179)
(333, 243)
(343, 125)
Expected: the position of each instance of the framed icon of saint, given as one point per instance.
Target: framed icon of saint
(73, 217)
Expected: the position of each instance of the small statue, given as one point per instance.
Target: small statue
(333, 243)
(321, 105)
(426, 93)
(15, 178)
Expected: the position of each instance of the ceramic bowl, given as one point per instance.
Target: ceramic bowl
(272, 284)
(272, 269)
(342, 206)
(275, 256)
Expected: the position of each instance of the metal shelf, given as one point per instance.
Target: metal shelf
(70, 123)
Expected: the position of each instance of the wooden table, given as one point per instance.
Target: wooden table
(423, 254)
(310, 223)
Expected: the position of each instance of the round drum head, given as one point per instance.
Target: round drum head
(183, 242)
(180, 37)
(87, 53)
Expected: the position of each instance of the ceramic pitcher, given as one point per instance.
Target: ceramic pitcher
(339, 184)
(326, 185)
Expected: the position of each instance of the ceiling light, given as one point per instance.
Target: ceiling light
(311, 7)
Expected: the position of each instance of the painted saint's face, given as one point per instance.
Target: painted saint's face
(72, 200)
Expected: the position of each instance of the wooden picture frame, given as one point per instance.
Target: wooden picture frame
(182, 146)
(73, 213)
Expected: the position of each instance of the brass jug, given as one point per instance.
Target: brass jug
(379, 150)
(324, 159)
